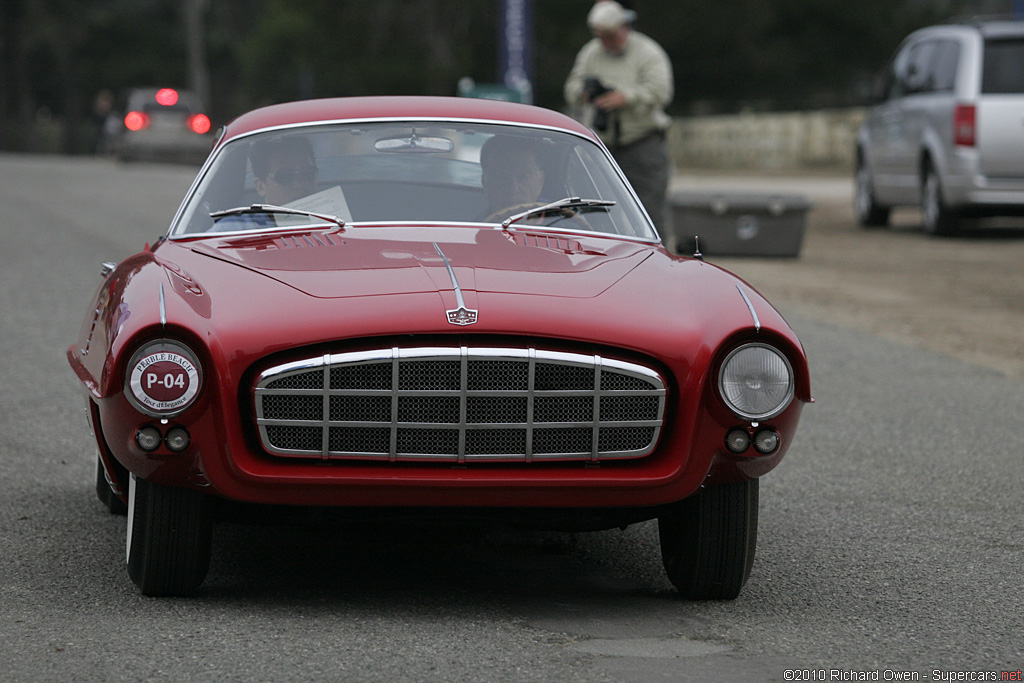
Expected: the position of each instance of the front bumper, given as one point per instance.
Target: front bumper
(225, 460)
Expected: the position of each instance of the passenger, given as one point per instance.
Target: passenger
(512, 176)
(284, 169)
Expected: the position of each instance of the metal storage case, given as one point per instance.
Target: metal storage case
(739, 224)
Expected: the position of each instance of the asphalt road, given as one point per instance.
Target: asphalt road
(891, 538)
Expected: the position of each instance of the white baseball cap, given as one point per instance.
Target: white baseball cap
(607, 15)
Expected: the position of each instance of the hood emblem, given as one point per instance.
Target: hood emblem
(460, 315)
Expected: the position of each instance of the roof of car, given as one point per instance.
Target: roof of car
(399, 107)
(987, 26)
(997, 29)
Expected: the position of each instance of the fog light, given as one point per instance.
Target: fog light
(148, 438)
(766, 441)
(737, 440)
(177, 439)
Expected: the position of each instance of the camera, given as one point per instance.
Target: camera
(594, 88)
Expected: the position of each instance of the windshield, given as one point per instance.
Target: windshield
(411, 172)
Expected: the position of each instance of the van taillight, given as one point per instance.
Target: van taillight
(136, 120)
(964, 125)
(199, 123)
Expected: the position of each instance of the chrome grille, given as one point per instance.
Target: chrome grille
(460, 404)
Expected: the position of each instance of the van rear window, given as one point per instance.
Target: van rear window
(1003, 71)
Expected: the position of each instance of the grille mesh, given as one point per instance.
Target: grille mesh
(460, 404)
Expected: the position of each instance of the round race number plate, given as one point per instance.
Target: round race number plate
(163, 379)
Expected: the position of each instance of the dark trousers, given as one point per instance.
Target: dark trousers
(647, 166)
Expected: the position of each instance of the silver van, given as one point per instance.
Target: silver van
(947, 133)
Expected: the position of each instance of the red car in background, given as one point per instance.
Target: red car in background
(388, 337)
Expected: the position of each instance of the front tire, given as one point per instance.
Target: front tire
(708, 541)
(111, 500)
(169, 537)
(869, 212)
(936, 217)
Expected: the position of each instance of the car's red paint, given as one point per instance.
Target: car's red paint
(240, 306)
(244, 302)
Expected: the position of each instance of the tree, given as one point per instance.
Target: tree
(730, 54)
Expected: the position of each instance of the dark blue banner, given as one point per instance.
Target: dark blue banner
(515, 46)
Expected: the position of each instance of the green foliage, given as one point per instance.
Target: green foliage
(314, 48)
(782, 54)
(728, 54)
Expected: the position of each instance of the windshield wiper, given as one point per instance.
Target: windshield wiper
(560, 205)
(270, 208)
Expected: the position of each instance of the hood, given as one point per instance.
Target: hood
(250, 296)
(368, 261)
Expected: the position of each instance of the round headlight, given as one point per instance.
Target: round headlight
(163, 379)
(756, 382)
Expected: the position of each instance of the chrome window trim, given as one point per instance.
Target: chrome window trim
(282, 232)
(172, 235)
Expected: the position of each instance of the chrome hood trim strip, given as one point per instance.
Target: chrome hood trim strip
(750, 307)
(163, 308)
(460, 315)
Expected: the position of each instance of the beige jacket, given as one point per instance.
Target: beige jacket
(643, 73)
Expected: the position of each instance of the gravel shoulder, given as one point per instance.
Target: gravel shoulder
(962, 296)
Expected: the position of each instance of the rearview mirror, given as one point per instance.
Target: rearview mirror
(414, 143)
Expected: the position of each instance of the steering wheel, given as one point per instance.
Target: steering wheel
(573, 216)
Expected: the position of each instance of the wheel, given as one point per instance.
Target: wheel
(869, 212)
(936, 217)
(106, 495)
(708, 541)
(169, 536)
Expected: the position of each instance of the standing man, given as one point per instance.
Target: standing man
(625, 80)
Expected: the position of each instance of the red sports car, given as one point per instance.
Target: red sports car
(412, 306)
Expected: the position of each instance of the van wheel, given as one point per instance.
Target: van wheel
(708, 541)
(869, 212)
(936, 217)
(169, 537)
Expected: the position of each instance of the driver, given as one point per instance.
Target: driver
(512, 175)
(284, 169)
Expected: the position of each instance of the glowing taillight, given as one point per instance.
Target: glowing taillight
(199, 123)
(136, 120)
(167, 97)
(965, 127)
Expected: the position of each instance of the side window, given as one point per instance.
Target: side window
(919, 68)
(896, 75)
(1003, 71)
(944, 65)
